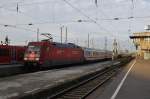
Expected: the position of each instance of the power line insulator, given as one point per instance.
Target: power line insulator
(5, 25)
(116, 18)
(130, 17)
(30, 24)
(79, 20)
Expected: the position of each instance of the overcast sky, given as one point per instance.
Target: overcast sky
(50, 15)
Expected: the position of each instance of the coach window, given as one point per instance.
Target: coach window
(4, 52)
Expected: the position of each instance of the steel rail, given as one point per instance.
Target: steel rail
(83, 89)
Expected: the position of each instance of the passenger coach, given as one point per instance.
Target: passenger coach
(11, 54)
(96, 55)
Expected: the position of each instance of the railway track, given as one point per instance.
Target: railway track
(83, 89)
(80, 87)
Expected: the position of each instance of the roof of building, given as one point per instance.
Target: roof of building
(140, 35)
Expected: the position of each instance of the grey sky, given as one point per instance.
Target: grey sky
(50, 15)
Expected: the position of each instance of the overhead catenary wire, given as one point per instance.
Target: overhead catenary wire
(17, 10)
(108, 19)
(94, 21)
(46, 2)
(132, 15)
(125, 18)
(20, 12)
(102, 13)
(49, 22)
(14, 26)
(29, 30)
(10, 4)
(24, 4)
(73, 21)
(66, 2)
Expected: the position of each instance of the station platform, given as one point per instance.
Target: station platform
(10, 69)
(24, 84)
(137, 82)
(133, 82)
(10, 65)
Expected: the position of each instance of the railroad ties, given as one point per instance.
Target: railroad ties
(83, 89)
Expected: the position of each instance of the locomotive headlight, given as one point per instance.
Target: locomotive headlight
(36, 59)
(25, 58)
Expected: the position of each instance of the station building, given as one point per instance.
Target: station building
(141, 41)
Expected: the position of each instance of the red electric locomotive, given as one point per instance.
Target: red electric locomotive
(46, 54)
(11, 54)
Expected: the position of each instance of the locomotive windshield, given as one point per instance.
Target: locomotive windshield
(32, 53)
(34, 48)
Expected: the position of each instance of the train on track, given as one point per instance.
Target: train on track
(10, 54)
(49, 54)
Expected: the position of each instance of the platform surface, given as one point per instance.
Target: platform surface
(136, 84)
(27, 83)
(10, 65)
